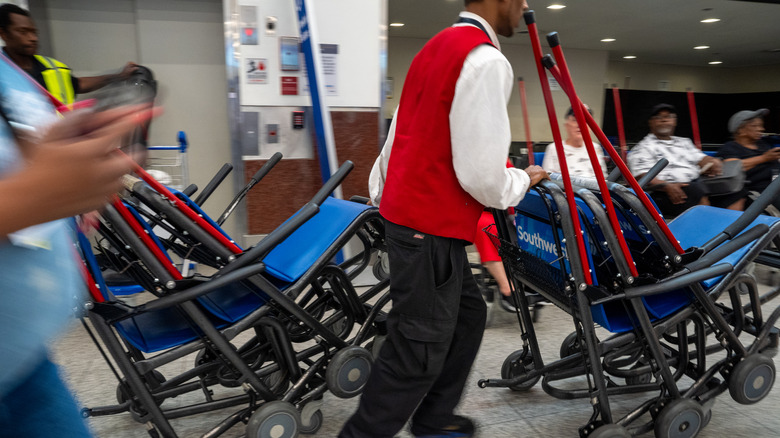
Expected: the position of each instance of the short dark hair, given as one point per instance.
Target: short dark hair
(6, 9)
(467, 2)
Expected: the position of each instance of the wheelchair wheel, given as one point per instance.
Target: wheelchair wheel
(681, 418)
(517, 364)
(315, 423)
(752, 379)
(274, 419)
(570, 345)
(610, 431)
(348, 371)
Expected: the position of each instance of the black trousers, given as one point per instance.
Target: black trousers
(695, 190)
(434, 331)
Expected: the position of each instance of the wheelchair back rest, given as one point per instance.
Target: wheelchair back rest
(296, 254)
(195, 207)
(535, 232)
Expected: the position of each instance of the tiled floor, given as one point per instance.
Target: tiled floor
(498, 411)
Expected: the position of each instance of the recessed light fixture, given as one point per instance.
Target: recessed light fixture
(396, 25)
(556, 6)
(629, 57)
(607, 40)
(701, 47)
(715, 62)
(710, 20)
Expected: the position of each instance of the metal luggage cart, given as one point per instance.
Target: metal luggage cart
(171, 162)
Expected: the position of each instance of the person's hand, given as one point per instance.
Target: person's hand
(716, 167)
(77, 165)
(772, 154)
(675, 192)
(128, 70)
(537, 174)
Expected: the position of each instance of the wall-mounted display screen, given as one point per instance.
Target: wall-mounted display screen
(290, 53)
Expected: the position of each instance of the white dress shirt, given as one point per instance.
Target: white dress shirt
(479, 130)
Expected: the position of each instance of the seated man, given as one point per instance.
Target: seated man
(760, 160)
(678, 187)
(577, 158)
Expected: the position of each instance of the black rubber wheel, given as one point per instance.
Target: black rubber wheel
(610, 431)
(315, 423)
(276, 419)
(752, 379)
(381, 267)
(681, 418)
(518, 364)
(153, 383)
(348, 371)
(570, 345)
(641, 379)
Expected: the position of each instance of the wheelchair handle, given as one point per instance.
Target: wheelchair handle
(334, 181)
(214, 183)
(652, 173)
(614, 175)
(756, 208)
(260, 174)
(724, 250)
(529, 17)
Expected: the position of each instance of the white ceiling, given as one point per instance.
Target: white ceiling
(655, 31)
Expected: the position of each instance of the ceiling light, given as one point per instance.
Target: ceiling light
(607, 40)
(710, 20)
(556, 6)
(701, 47)
(396, 24)
(629, 57)
(715, 62)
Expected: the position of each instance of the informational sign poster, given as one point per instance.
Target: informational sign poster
(329, 55)
(256, 70)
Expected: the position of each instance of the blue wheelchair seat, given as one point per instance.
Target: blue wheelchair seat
(698, 224)
(289, 260)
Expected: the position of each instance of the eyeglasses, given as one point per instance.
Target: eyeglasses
(664, 117)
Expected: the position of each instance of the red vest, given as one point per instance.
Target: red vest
(421, 190)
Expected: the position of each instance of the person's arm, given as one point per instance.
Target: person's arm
(772, 154)
(550, 162)
(376, 180)
(480, 132)
(74, 169)
(714, 165)
(92, 83)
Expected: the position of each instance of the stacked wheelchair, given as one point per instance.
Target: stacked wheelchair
(685, 320)
(273, 326)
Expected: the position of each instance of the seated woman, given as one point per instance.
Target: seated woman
(577, 158)
(760, 160)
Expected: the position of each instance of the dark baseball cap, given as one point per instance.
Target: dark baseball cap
(663, 107)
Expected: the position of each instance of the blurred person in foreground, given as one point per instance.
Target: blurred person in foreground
(50, 169)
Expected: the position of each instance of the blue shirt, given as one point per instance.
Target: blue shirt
(39, 278)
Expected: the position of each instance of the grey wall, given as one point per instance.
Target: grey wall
(182, 42)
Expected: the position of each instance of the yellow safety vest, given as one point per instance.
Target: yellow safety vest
(57, 78)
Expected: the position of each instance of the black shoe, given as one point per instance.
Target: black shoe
(458, 426)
